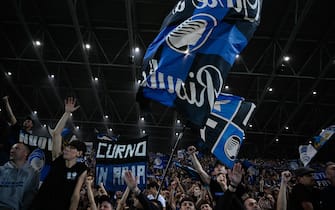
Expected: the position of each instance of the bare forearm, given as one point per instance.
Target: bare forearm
(91, 198)
(74, 202)
(10, 112)
(197, 165)
(281, 200)
(56, 135)
(123, 199)
(61, 123)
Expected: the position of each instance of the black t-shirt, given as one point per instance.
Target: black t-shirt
(215, 188)
(301, 193)
(327, 198)
(57, 189)
(217, 191)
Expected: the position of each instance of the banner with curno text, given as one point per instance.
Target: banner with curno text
(113, 158)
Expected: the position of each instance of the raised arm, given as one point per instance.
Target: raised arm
(102, 190)
(90, 195)
(203, 175)
(9, 110)
(122, 202)
(76, 193)
(235, 176)
(70, 107)
(282, 198)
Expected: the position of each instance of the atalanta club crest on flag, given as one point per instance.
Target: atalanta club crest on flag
(224, 129)
(185, 66)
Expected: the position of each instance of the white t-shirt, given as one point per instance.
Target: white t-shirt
(160, 199)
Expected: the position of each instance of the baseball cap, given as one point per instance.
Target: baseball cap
(79, 145)
(303, 171)
(330, 163)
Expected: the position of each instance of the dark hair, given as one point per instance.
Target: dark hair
(217, 163)
(29, 118)
(187, 198)
(79, 145)
(104, 198)
(152, 184)
(203, 202)
(157, 204)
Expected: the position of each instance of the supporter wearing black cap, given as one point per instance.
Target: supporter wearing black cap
(61, 188)
(303, 195)
(328, 193)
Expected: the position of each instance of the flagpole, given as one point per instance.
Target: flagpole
(170, 159)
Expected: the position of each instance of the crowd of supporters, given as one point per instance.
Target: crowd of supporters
(193, 180)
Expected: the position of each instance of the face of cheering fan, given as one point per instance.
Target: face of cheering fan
(70, 153)
(28, 124)
(251, 204)
(205, 207)
(187, 205)
(330, 173)
(18, 152)
(220, 169)
(307, 179)
(105, 206)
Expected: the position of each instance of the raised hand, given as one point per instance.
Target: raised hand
(89, 180)
(130, 180)
(70, 103)
(286, 176)
(5, 99)
(191, 150)
(235, 175)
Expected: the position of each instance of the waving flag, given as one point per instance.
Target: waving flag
(307, 152)
(224, 129)
(185, 66)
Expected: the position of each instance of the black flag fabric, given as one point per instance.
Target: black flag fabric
(185, 66)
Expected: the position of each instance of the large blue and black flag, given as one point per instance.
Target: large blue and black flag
(224, 129)
(185, 66)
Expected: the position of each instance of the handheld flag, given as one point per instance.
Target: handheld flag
(307, 152)
(189, 170)
(224, 129)
(185, 66)
(113, 158)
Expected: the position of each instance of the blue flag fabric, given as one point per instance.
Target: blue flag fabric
(224, 129)
(307, 152)
(113, 158)
(185, 66)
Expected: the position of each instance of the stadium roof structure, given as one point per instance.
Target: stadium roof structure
(92, 50)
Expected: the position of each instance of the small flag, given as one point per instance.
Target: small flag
(307, 152)
(185, 66)
(224, 129)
